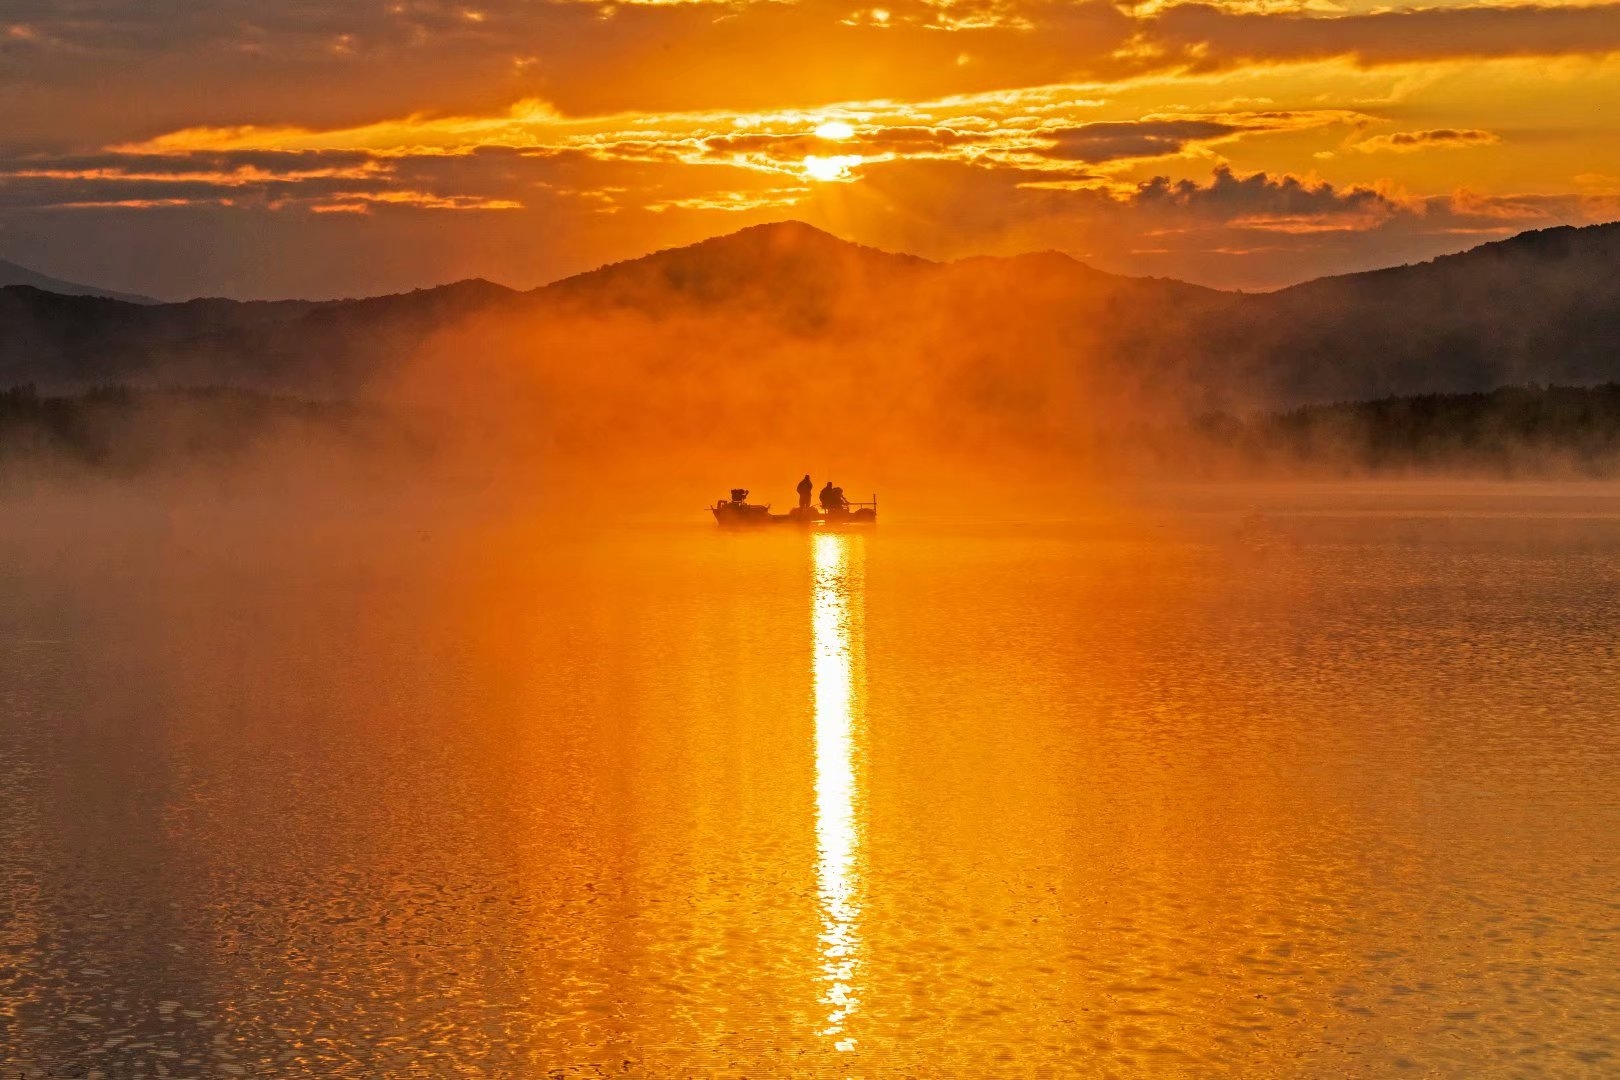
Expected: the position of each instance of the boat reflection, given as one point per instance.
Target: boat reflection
(836, 598)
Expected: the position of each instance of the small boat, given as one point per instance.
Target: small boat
(738, 513)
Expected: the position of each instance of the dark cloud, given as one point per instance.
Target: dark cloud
(45, 193)
(281, 162)
(271, 179)
(1205, 37)
(901, 138)
(1092, 143)
(117, 26)
(1100, 142)
(1446, 135)
(911, 139)
(1435, 138)
(1229, 196)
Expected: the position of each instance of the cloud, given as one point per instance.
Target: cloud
(1406, 142)
(1204, 37)
(1260, 198)
(272, 180)
(361, 202)
(1108, 141)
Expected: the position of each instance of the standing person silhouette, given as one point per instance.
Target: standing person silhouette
(805, 488)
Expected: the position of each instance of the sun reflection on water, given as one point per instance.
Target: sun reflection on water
(835, 598)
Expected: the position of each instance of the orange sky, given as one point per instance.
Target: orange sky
(334, 147)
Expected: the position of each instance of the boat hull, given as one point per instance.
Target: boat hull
(749, 516)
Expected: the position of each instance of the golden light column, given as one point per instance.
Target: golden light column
(836, 595)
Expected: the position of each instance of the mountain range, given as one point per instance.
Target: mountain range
(1028, 342)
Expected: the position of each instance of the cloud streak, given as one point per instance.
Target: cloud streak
(1408, 142)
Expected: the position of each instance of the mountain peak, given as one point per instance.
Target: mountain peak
(793, 228)
(768, 262)
(787, 239)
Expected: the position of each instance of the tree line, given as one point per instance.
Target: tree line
(1510, 430)
(124, 429)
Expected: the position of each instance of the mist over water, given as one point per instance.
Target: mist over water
(1168, 787)
(1008, 386)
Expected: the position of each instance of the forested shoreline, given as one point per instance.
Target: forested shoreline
(1512, 431)
(124, 430)
(1528, 430)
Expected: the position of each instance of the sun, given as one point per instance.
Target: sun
(829, 167)
(836, 167)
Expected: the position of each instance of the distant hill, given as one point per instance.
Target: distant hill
(765, 263)
(12, 274)
(783, 328)
(1541, 307)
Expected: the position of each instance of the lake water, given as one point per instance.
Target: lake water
(1330, 792)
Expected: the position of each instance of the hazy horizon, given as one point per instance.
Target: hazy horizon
(136, 289)
(1168, 274)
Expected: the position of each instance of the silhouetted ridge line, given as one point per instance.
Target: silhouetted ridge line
(1543, 246)
(762, 263)
(13, 274)
(1014, 343)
